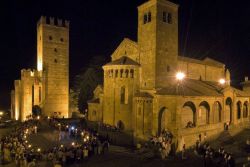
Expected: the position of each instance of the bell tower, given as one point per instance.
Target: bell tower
(53, 64)
(158, 42)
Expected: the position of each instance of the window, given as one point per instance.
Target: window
(145, 19)
(124, 95)
(55, 61)
(167, 17)
(50, 38)
(61, 39)
(164, 17)
(149, 16)
(55, 50)
(116, 73)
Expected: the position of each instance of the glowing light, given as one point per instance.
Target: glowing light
(48, 117)
(29, 145)
(32, 73)
(1, 113)
(38, 117)
(26, 141)
(38, 150)
(222, 81)
(180, 76)
(72, 128)
(84, 140)
(61, 146)
(73, 143)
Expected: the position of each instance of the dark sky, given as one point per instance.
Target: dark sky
(219, 29)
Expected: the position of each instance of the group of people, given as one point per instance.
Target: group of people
(212, 157)
(15, 146)
(163, 142)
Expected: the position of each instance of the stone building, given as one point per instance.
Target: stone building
(48, 85)
(141, 95)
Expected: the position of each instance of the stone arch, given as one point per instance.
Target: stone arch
(188, 114)
(239, 105)
(204, 113)
(228, 110)
(245, 109)
(162, 119)
(217, 112)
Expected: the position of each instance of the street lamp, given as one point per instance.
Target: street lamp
(222, 81)
(180, 76)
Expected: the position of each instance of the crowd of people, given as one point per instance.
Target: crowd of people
(163, 142)
(211, 157)
(15, 147)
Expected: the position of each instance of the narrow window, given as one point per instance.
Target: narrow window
(55, 50)
(116, 73)
(122, 95)
(55, 61)
(61, 39)
(149, 16)
(164, 17)
(145, 19)
(50, 38)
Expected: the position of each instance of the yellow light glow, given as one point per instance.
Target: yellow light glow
(1, 113)
(73, 143)
(32, 73)
(38, 150)
(180, 76)
(61, 146)
(29, 145)
(222, 81)
(38, 117)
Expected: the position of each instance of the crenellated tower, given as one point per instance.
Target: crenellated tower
(53, 61)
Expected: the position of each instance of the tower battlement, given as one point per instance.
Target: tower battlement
(53, 21)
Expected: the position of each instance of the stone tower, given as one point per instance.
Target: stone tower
(158, 42)
(53, 61)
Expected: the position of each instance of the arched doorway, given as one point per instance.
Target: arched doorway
(245, 109)
(204, 113)
(188, 114)
(162, 120)
(239, 105)
(217, 112)
(228, 109)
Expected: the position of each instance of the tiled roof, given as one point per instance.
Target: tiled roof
(190, 87)
(206, 61)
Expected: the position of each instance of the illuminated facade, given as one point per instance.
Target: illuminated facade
(48, 85)
(142, 96)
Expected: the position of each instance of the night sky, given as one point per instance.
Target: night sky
(219, 29)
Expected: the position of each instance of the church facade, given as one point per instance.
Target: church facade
(141, 95)
(47, 86)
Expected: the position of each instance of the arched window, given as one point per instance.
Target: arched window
(124, 95)
(116, 73)
(121, 73)
(132, 73)
(126, 73)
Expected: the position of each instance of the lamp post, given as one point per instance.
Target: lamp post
(179, 77)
